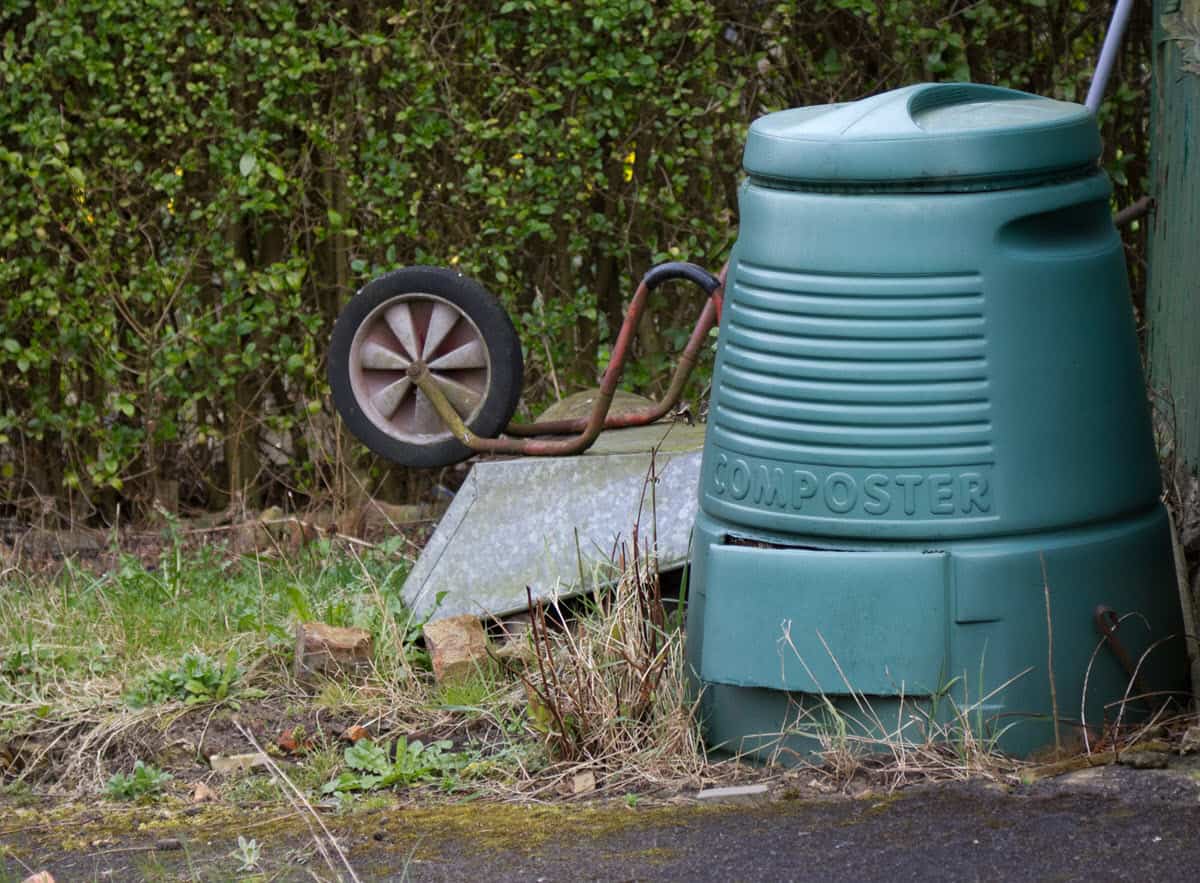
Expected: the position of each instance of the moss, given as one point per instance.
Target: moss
(877, 807)
(883, 804)
(476, 826)
(373, 830)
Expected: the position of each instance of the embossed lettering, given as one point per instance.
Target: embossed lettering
(941, 493)
(842, 500)
(739, 480)
(908, 483)
(974, 492)
(804, 487)
(769, 487)
(878, 500)
(718, 479)
(818, 492)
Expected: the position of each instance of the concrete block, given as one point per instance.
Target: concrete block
(733, 792)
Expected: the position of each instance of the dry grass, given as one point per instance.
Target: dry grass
(608, 690)
(929, 739)
(605, 692)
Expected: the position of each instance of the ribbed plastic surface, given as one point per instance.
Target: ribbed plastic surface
(934, 365)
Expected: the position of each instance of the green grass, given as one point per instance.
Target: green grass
(166, 661)
(187, 626)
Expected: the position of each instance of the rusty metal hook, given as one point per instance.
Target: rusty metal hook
(1107, 622)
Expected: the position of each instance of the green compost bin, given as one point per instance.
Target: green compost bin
(928, 415)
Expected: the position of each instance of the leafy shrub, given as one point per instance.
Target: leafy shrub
(192, 191)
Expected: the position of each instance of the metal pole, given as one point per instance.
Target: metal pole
(1108, 54)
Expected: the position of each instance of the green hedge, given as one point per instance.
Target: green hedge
(192, 189)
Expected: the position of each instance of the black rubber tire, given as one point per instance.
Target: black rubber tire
(499, 337)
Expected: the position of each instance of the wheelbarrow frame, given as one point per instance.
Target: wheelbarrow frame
(518, 438)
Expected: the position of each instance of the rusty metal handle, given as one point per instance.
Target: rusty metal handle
(655, 276)
(709, 317)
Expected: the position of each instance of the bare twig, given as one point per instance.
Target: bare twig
(1050, 658)
(299, 801)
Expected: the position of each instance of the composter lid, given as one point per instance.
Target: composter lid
(952, 133)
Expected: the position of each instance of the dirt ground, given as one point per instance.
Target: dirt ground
(1111, 821)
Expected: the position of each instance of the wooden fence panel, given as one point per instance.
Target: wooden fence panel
(1173, 295)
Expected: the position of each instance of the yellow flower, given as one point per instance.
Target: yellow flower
(90, 218)
(179, 171)
(454, 261)
(630, 160)
(171, 206)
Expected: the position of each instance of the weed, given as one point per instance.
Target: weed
(252, 789)
(197, 678)
(145, 782)
(468, 694)
(372, 766)
(96, 666)
(248, 854)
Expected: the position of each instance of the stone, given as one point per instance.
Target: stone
(331, 651)
(583, 783)
(733, 792)
(376, 518)
(39, 877)
(457, 647)
(516, 654)
(1141, 759)
(552, 523)
(201, 793)
(1190, 741)
(516, 627)
(225, 764)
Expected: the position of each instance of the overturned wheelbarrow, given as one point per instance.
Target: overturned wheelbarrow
(426, 369)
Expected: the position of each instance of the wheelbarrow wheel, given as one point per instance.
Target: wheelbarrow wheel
(458, 330)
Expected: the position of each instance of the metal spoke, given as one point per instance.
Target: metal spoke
(380, 358)
(470, 355)
(442, 320)
(463, 398)
(400, 319)
(388, 399)
(425, 419)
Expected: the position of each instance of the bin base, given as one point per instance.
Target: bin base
(800, 646)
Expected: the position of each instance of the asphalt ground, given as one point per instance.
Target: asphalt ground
(1111, 823)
